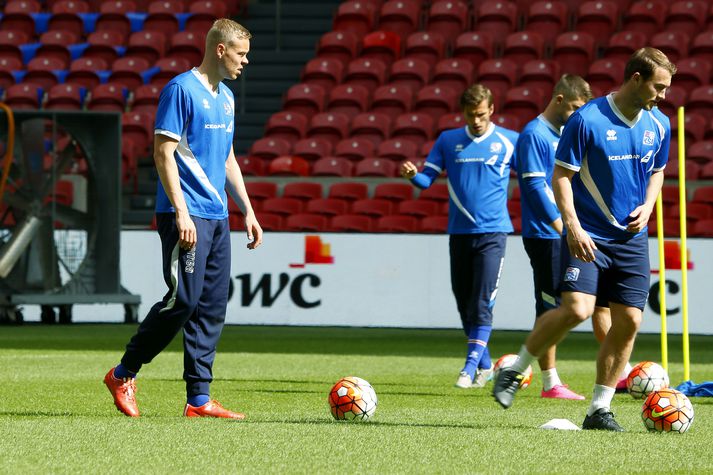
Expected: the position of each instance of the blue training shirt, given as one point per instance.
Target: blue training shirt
(478, 176)
(615, 158)
(535, 151)
(202, 122)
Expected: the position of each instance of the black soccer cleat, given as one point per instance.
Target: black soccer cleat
(506, 386)
(601, 420)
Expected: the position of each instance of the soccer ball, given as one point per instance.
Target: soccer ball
(667, 410)
(646, 377)
(352, 399)
(508, 360)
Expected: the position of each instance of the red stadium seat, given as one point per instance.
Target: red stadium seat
(397, 149)
(65, 96)
(675, 97)
(41, 71)
(357, 17)
(416, 127)
(674, 44)
(23, 96)
(54, 45)
(599, 18)
(146, 98)
(112, 17)
(168, 69)
(692, 73)
(128, 71)
(400, 17)
(349, 99)
(290, 126)
(436, 100)
(703, 194)
(349, 191)
(107, 97)
(508, 121)
(426, 148)
(367, 72)
(394, 191)
(379, 167)
(139, 127)
(392, 100)
(325, 72)
(102, 45)
(374, 208)
(204, 13)
(498, 75)
(476, 47)
(328, 206)
(355, 148)
(670, 194)
(22, 6)
(18, 17)
(302, 190)
(251, 166)
(671, 172)
(574, 51)
(456, 73)
(524, 102)
(261, 190)
(382, 45)
(702, 46)
(418, 208)
(702, 228)
(437, 192)
(425, 45)
(707, 171)
(162, 17)
(313, 148)
(352, 223)
(695, 125)
(434, 224)
(147, 44)
(623, 44)
(305, 98)
(288, 166)
(498, 18)
(271, 222)
(540, 73)
(694, 212)
(373, 126)
(65, 16)
(548, 18)
(454, 120)
(646, 17)
(7, 65)
(188, 45)
(523, 46)
(332, 126)
(333, 166)
(606, 74)
(701, 152)
(270, 147)
(686, 16)
(10, 41)
(397, 224)
(340, 45)
(306, 222)
(447, 18)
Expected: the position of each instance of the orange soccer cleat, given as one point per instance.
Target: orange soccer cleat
(212, 409)
(124, 393)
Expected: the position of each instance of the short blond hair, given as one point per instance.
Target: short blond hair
(225, 30)
(573, 87)
(645, 60)
(474, 95)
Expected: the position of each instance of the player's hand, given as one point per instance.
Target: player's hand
(639, 218)
(253, 230)
(187, 235)
(581, 244)
(408, 170)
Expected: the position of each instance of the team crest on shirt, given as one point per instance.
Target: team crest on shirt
(649, 137)
(611, 135)
(206, 105)
(228, 109)
(496, 147)
(571, 274)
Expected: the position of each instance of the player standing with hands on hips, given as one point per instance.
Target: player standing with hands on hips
(608, 173)
(193, 152)
(477, 158)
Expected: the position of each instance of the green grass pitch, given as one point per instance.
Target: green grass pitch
(57, 417)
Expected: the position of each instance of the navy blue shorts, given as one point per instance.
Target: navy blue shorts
(476, 264)
(545, 261)
(620, 272)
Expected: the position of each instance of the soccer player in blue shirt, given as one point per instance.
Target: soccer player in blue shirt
(477, 158)
(193, 152)
(608, 173)
(541, 222)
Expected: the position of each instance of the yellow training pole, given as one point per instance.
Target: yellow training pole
(684, 247)
(662, 281)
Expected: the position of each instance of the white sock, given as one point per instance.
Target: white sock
(627, 370)
(524, 359)
(550, 379)
(601, 399)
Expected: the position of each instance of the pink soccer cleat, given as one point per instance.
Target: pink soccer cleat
(212, 409)
(561, 391)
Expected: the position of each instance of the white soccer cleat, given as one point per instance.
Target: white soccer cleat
(464, 381)
(482, 376)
